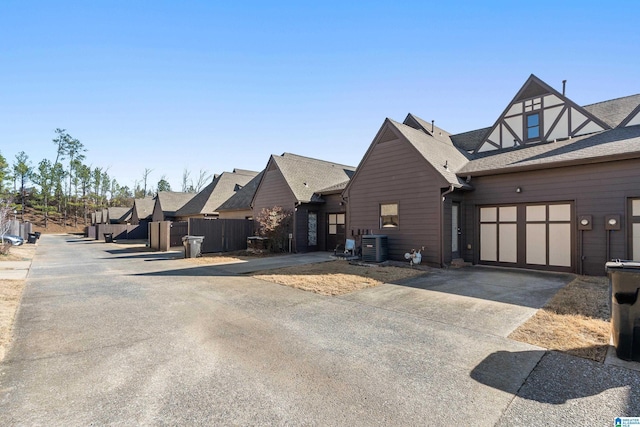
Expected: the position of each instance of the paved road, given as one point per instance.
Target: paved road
(106, 335)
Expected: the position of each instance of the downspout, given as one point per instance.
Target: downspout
(450, 190)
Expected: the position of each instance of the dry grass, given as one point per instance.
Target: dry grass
(19, 253)
(574, 321)
(10, 294)
(229, 257)
(336, 277)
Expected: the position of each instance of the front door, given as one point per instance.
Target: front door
(455, 230)
(336, 233)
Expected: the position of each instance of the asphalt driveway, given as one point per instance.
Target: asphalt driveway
(107, 336)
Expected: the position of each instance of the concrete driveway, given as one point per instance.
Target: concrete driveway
(110, 336)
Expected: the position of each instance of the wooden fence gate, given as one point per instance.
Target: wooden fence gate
(179, 229)
(221, 235)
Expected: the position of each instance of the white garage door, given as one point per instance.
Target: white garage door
(545, 230)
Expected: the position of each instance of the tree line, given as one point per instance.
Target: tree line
(67, 189)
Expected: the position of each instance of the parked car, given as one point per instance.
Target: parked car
(11, 239)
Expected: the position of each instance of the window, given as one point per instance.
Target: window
(533, 126)
(389, 215)
(335, 220)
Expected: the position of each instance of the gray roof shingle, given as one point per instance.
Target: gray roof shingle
(607, 145)
(119, 214)
(143, 207)
(171, 201)
(469, 141)
(215, 194)
(443, 156)
(614, 111)
(305, 176)
(242, 199)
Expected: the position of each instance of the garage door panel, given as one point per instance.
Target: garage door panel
(636, 242)
(508, 243)
(537, 244)
(488, 242)
(560, 245)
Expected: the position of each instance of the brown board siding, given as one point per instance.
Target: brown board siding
(597, 190)
(273, 191)
(393, 172)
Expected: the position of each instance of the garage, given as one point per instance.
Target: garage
(538, 236)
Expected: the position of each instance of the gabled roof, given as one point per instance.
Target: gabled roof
(337, 188)
(242, 199)
(440, 153)
(305, 176)
(119, 214)
(619, 143)
(143, 207)
(508, 129)
(215, 194)
(429, 128)
(171, 201)
(468, 141)
(614, 111)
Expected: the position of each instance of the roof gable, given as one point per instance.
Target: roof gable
(143, 208)
(440, 153)
(216, 193)
(305, 176)
(170, 201)
(538, 113)
(241, 200)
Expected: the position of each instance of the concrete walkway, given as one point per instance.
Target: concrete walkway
(106, 337)
(14, 270)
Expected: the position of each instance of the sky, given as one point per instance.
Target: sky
(212, 85)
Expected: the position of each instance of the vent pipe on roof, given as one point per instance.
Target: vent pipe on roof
(564, 86)
(432, 126)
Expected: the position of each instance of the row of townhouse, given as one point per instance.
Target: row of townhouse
(551, 185)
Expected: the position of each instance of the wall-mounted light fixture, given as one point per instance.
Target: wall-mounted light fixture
(518, 189)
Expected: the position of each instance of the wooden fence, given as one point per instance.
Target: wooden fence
(221, 235)
(120, 231)
(179, 229)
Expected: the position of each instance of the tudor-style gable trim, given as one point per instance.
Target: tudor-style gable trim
(539, 113)
(632, 119)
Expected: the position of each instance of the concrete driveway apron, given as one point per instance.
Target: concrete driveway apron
(106, 335)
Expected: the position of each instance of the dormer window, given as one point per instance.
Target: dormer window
(533, 127)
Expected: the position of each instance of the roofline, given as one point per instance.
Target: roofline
(553, 165)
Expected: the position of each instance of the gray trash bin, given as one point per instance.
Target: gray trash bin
(192, 246)
(624, 287)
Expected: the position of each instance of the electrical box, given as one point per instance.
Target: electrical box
(612, 222)
(585, 222)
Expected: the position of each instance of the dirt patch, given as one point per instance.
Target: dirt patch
(575, 321)
(229, 257)
(10, 294)
(336, 277)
